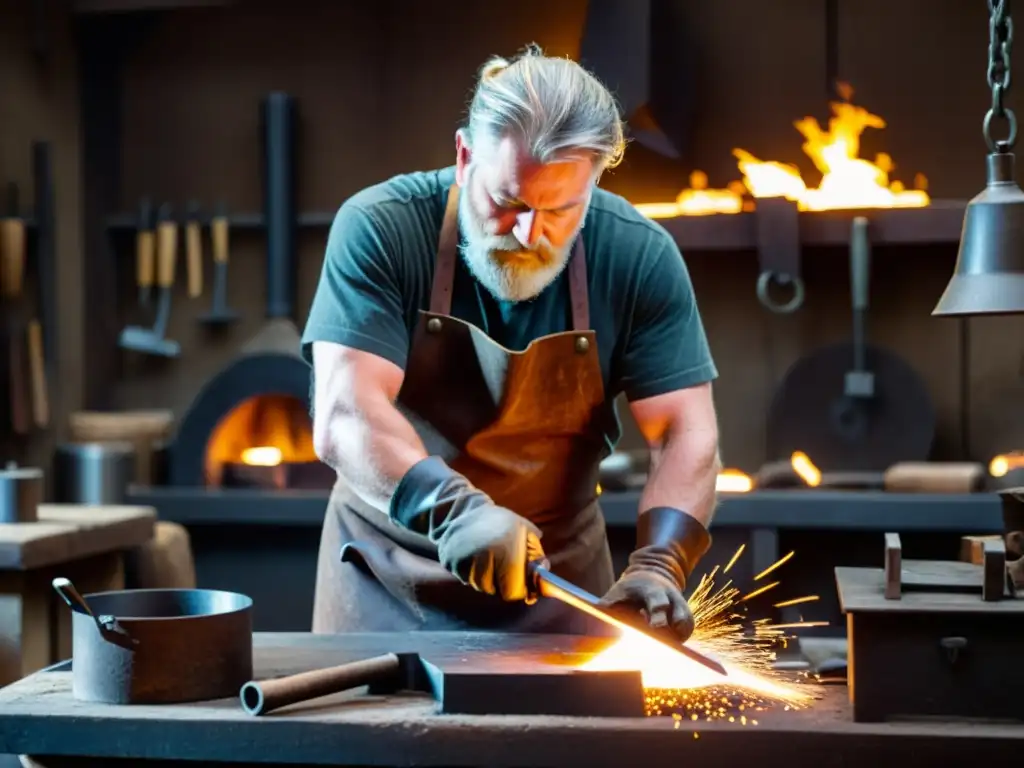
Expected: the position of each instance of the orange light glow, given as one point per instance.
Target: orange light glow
(804, 467)
(672, 678)
(1002, 464)
(848, 180)
(264, 431)
(733, 481)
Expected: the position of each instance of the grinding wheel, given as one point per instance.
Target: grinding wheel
(810, 413)
(852, 407)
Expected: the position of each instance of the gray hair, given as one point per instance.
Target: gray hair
(554, 105)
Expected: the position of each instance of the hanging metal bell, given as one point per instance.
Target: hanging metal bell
(989, 276)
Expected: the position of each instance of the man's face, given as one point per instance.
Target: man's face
(518, 217)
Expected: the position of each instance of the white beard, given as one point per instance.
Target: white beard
(507, 280)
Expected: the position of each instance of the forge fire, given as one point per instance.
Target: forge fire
(847, 180)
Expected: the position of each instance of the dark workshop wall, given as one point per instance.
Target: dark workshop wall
(39, 101)
(381, 87)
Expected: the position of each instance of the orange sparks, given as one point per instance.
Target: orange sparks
(796, 601)
(781, 561)
(674, 682)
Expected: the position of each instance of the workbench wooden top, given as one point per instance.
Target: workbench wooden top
(66, 532)
(38, 715)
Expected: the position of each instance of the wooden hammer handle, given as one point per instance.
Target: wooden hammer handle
(12, 251)
(145, 258)
(194, 253)
(166, 253)
(261, 697)
(219, 236)
(37, 373)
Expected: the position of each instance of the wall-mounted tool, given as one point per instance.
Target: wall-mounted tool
(12, 279)
(145, 252)
(37, 375)
(219, 313)
(194, 250)
(852, 406)
(153, 340)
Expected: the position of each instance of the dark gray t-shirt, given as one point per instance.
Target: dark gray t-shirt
(379, 265)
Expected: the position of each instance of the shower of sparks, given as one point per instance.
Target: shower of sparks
(689, 692)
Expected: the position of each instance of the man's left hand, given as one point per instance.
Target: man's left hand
(646, 590)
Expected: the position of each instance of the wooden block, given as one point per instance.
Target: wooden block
(972, 548)
(893, 566)
(993, 585)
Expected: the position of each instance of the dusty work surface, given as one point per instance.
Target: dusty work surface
(38, 715)
(66, 532)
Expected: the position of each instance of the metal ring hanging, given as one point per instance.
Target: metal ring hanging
(764, 283)
(1010, 140)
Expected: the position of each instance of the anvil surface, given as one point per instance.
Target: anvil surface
(39, 716)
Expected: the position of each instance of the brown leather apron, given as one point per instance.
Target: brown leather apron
(524, 427)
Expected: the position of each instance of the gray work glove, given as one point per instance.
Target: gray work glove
(669, 545)
(484, 545)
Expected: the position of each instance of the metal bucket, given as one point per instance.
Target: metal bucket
(21, 493)
(162, 646)
(93, 473)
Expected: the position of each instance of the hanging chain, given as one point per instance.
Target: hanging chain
(1000, 30)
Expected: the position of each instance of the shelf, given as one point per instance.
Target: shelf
(941, 222)
(976, 513)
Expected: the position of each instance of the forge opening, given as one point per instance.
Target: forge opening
(266, 441)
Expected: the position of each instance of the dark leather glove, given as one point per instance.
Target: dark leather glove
(484, 545)
(669, 545)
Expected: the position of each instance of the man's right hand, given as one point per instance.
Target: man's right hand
(487, 547)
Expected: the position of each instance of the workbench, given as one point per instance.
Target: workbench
(38, 715)
(83, 543)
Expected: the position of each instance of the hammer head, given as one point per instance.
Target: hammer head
(145, 341)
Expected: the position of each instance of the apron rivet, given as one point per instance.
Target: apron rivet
(582, 344)
(433, 325)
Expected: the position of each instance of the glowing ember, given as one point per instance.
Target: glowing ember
(804, 467)
(733, 481)
(262, 456)
(675, 683)
(1002, 464)
(848, 181)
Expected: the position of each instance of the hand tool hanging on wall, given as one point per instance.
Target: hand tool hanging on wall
(45, 250)
(194, 250)
(153, 340)
(852, 406)
(778, 250)
(12, 252)
(37, 375)
(145, 252)
(219, 313)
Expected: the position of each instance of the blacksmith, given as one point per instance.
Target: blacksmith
(470, 332)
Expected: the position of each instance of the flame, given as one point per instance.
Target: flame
(733, 481)
(804, 467)
(746, 656)
(264, 431)
(1003, 463)
(848, 181)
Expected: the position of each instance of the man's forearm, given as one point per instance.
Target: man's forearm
(372, 446)
(683, 473)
